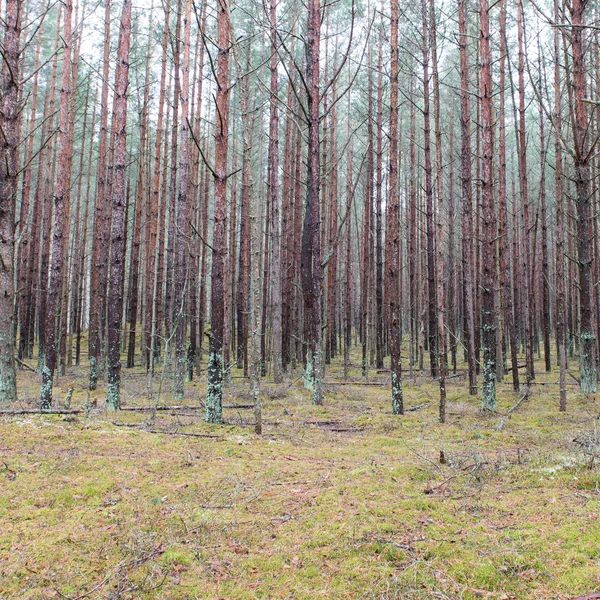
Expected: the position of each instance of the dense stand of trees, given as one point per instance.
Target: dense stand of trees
(203, 186)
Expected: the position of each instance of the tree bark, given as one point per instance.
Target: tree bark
(117, 257)
(61, 205)
(183, 213)
(393, 216)
(311, 268)
(214, 393)
(467, 197)
(276, 302)
(582, 151)
(488, 303)
(9, 149)
(100, 240)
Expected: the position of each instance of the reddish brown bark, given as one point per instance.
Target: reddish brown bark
(61, 200)
(100, 240)
(582, 149)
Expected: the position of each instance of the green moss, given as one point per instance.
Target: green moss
(304, 510)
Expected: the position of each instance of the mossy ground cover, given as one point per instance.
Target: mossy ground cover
(340, 501)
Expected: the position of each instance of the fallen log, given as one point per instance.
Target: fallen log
(38, 411)
(417, 406)
(183, 407)
(141, 427)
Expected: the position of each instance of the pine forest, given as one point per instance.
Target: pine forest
(299, 299)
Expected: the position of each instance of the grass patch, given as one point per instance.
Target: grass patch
(340, 501)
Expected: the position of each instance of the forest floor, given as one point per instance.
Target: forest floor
(340, 501)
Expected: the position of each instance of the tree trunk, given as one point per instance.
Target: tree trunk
(100, 242)
(582, 151)
(440, 238)
(311, 268)
(9, 149)
(393, 216)
(183, 213)
(276, 303)
(467, 197)
(214, 393)
(561, 313)
(488, 306)
(431, 283)
(61, 205)
(117, 257)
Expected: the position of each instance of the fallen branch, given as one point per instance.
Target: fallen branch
(183, 407)
(200, 435)
(141, 427)
(417, 406)
(38, 411)
(25, 365)
(511, 410)
(152, 408)
(368, 383)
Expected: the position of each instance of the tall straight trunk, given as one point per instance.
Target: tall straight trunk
(100, 242)
(153, 215)
(431, 283)
(489, 272)
(25, 226)
(117, 257)
(378, 213)
(367, 223)
(244, 267)
(286, 238)
(299, 352)
(440, 237)
(214, 393)
(183, 212)
(393, 216)
(9, 122)
(265, 255)
(332, 235)
(195, 242)
(311, 268)
(453, 305)
(545, 274)
(76, 239)
(522, 150)
(170, 311)
(467, 196)
(139, 206)
(412, 234)
(348, 270)
(84, 259)
(61, 202)
(503, 251)
(276, 302)
(561, 313)
(254, 284)
(582, 151)
(68, 286)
